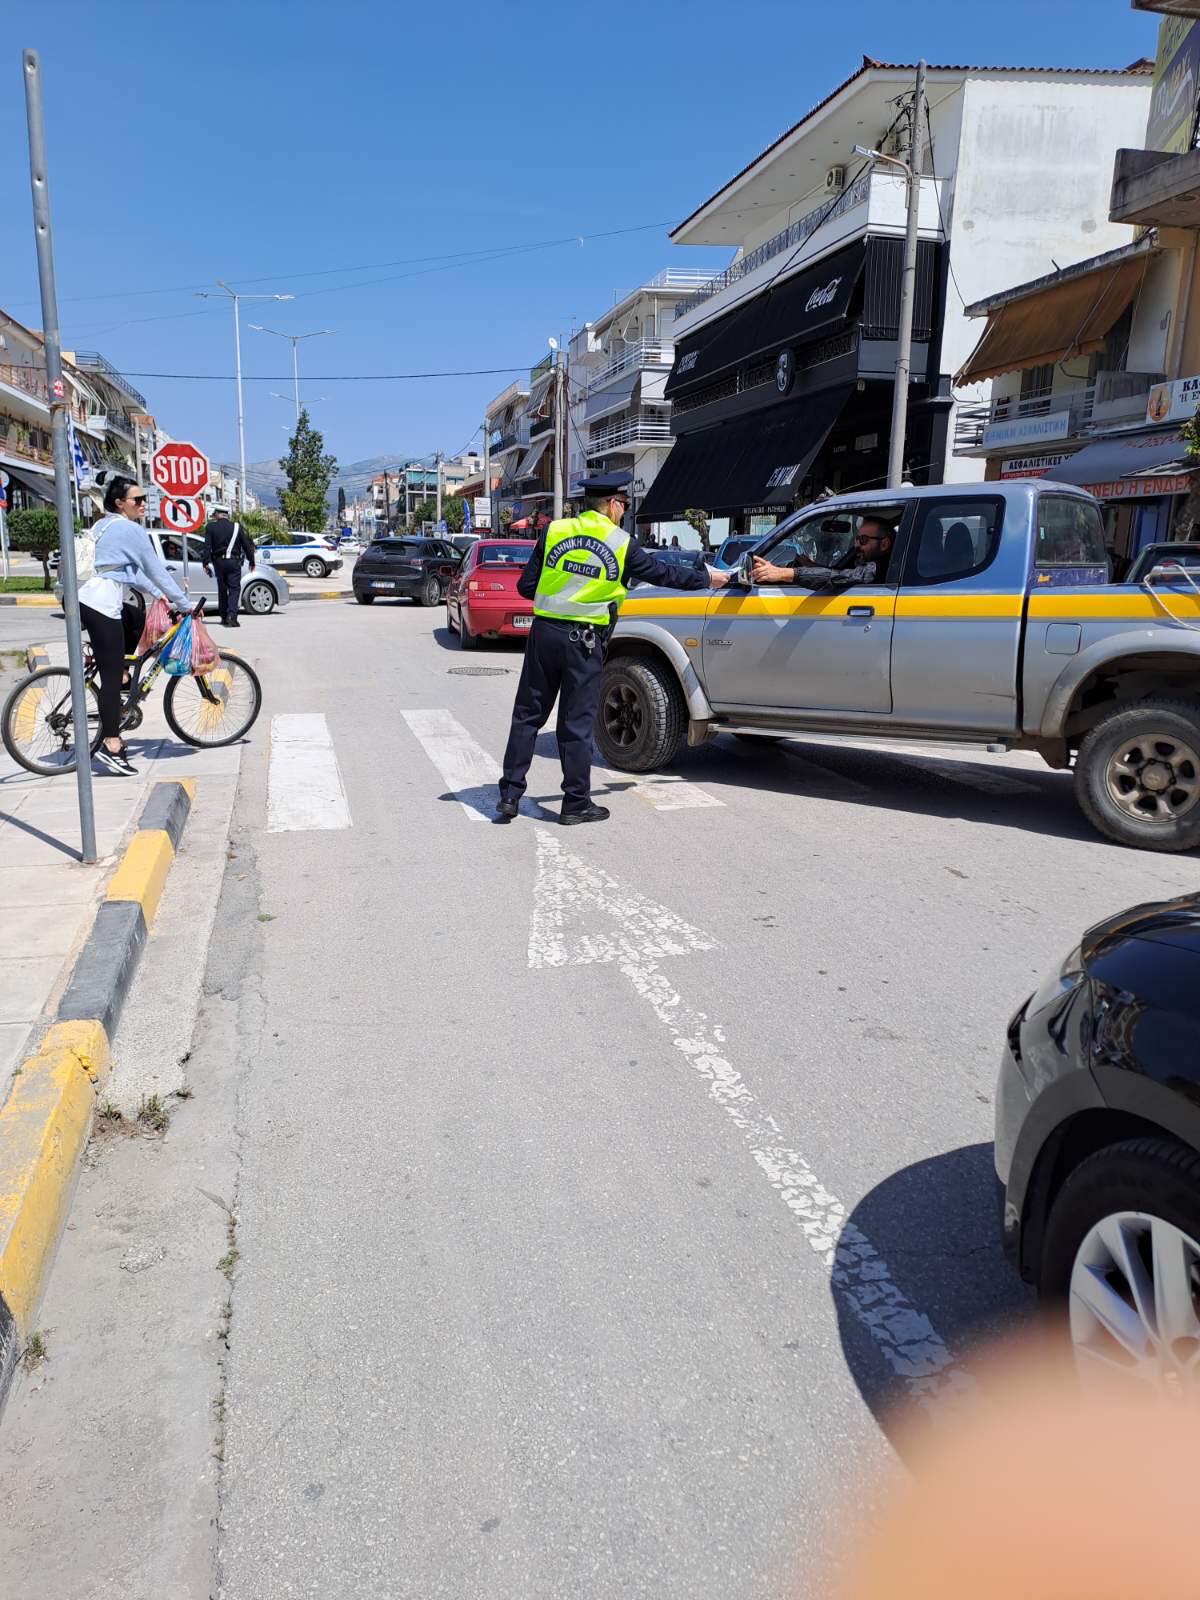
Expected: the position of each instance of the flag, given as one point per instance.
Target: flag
(79, 462)
(466, 516)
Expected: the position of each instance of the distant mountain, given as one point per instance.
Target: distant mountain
(266, 478)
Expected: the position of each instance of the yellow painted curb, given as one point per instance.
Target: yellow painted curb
(36, 600)
(43, 1128)
(143, 870)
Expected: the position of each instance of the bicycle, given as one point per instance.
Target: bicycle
(205, 710)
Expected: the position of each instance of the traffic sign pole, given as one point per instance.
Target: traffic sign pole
(4, 482)
(58, 425)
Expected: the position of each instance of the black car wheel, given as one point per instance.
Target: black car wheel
(1137, 774)
(431, 592)
(642, 717)
(466, 639)
(1121, 1257)
(363, 598)
(315, 567)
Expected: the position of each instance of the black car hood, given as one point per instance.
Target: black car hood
(1175, 922)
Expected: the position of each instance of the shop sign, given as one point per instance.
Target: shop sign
(1031, 466)
(1173, 98)
(1027, 430)
(1141, 488)
(783, 476)
(1173, 402)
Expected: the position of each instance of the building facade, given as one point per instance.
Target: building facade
(785, 362)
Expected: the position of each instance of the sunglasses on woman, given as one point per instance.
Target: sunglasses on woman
(138, 499)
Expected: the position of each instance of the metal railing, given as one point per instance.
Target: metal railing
(515, 438)
(647, 353)
(93, 361)
(13, 445)
(971, 421)
(647, 427)
(803, 228)
(30, 380)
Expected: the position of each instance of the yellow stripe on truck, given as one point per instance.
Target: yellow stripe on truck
(1045, 605)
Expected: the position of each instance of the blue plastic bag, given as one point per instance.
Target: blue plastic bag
(177, 657)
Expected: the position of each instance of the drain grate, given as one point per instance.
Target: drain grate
(479, 672)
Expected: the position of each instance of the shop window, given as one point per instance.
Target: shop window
(955, 539)
(1070, 533)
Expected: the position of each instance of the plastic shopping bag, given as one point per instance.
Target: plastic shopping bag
(158, 620)
(204, 651)
(177, 657)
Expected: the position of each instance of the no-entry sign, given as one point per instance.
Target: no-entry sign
(181, 513)
(179, 469)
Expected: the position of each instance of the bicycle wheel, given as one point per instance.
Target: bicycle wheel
(37, 725)
(217, 707)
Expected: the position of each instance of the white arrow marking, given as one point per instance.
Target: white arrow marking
(645, 933)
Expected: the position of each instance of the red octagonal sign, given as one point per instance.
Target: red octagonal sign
(179, 469)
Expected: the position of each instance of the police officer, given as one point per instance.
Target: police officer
(225, 543)
(576, 579)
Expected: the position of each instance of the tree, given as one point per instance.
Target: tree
(1188, 519)
(36, 532)
(699, 521)
(452, 512)
(258, 522)
(309, 473)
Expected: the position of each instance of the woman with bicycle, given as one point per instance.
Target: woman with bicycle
(124, 556)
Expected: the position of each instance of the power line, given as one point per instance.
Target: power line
(352, 377)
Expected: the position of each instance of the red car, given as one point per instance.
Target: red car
(482, 597)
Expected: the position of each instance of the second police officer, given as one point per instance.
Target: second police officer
(576, 578)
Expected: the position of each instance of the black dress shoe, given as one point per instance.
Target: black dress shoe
(233, 623)
(590, 813)
(506, 810)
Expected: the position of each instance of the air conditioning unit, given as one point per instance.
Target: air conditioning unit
(835, 180)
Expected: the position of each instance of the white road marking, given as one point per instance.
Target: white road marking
(644, 935)
(304, 785)
(661, 791)
(466, 768)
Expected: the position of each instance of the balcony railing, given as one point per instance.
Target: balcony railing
(647, 427)
(515, 439)
(796, 233)
(92, 361)
(30, 381)
(648, 353)
(972, 421)
(14, 444)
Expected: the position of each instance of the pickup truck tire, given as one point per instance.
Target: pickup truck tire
(642, 719)
(1137, 774)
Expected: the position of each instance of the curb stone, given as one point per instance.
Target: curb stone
(46, 1120)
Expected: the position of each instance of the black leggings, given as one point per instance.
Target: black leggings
(111, 638)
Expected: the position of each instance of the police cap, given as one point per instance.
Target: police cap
(607, 483)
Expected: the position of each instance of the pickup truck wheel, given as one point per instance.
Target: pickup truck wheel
(642, 718)
(1137, 774)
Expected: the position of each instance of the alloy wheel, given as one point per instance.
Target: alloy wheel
(1134, 1298)
(623, 714)
(1154, 777)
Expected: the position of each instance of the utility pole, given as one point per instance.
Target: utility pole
(62, 466)
(206, 294)
(487, 470)
(387, 504)
(908, 287)
(558, 434)
(437, 463)
(294, 340)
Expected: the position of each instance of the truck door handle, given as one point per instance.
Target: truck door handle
(861, 611)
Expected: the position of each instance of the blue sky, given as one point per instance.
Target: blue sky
(290, 144)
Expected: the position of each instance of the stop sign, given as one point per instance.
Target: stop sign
(179, 469)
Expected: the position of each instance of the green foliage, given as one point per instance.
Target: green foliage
(452, 512)
(36, 532)
(699, 521)
(506, 516)
(1190, 434)
(309, 473)
(259, 523)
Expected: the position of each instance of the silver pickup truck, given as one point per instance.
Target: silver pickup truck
(995, 624)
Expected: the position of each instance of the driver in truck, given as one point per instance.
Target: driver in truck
(865, 562)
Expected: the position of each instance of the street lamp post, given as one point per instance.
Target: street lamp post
(207, 294)
(294, 339)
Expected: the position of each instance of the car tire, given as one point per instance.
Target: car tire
(258, 599)
(364, 599)
(431, 592)
(1151, 742)
(466, 639)
(314, 567)
(451, 625)
(1154, 1178)
(642, 718)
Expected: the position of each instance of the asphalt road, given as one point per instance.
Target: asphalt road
(547, 1137)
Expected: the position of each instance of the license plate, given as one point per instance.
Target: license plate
(383, 585)
(522, 622)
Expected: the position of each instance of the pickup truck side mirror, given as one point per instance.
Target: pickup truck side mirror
(745, 571)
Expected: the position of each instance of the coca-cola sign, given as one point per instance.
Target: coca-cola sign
(823, 297)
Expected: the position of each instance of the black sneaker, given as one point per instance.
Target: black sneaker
(506, 810)
(590, 813)
(116, 762)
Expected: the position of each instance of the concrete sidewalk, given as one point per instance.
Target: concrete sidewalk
(49, 897)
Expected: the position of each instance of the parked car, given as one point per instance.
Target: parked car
(482, 598)
(262, 590)
(417, 568)
(311, 553)
(1098, 1143)
(732, 551)
(994, 623)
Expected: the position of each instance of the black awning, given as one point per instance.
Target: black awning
(796, 310)
(759, 460)
(33, 482)
(1108, 460)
